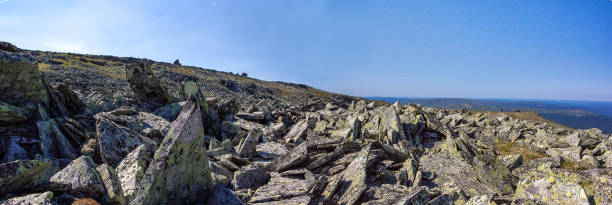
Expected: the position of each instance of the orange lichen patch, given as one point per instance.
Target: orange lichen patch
(85, 201)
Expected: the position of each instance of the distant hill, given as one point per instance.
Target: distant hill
(574, 114)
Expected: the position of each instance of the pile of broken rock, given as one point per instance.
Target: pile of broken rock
(205, 150)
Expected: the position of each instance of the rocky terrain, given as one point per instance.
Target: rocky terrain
(84, 129)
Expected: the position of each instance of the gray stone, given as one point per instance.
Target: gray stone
(551, 187)
(271, 150)
(279, 188)
(117, 141)
(80, 176)
(114, 193)
(249, 146)
(296, 156)
(30, 199)
(297, 134)
(52, 142)
(23, 175)
(145, 84)
(10, 114)
(131, 170)
(250, 177)
(14, 151)
(223, 195)
(511, 161)
(179, 171)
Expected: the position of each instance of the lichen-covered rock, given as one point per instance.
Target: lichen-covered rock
(20, 81)
(179, 171)
(353, 181)
(132, 169)
(145, 84)
(223, 195)
(294, 157)
(570, 153)
(117, 141)
(22, 175)
(147, 124)
(483, 199)
(53, 143)
(297, 134)
(511, 161)
(551, 187)
(303, 199)
(79, 177)
(30, 199)
(10, 114)
(248, 148)
(279, 188)
(250, 177)
(14, 151)
(114, 194)
(271, 150)
(493, 173)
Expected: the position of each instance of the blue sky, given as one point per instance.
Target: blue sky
(480, 49)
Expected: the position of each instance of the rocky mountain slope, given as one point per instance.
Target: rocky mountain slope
(83, 129)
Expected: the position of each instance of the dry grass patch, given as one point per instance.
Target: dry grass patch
(506, 148)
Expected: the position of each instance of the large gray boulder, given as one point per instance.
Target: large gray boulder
(10, 114)
(114, 194)
(131, 170)
(223, 195)
(53, 143)
(551, 186)
(79, 177)
(30, 199)
(145, 84)
(117, 141)
(23, 175)
(179, 171)
(250, 177)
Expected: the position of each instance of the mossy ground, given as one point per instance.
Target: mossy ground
(506, 148)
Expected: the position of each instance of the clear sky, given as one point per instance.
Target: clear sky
(559, 49)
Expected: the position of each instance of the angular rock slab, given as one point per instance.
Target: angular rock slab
(250, 177)
(280, 188)
(353, 181)
(117, 141)
(22, 175)
(52, 142)
(551, 187)
(179, 171)
(145, 84)
(271, 150)
(131, 170)
(223, 195)
(12, 114)
(80, 176)
(31, 199)
(114, 194)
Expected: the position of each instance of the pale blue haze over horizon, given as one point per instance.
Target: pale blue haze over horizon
(469, 49)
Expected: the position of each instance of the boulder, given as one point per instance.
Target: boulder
(14, 151)
(297, 133)
(271, 150)
(23, 175)
(223, 195)
(117, 141)
(550, 186)
(570, 153)
(483, 199)
(79, 177)
(30, 199)
(279, 188)
(352, 182)
(131, 170)
(296, 156)
(53, 143)
(493, 173)
(20, 81)
(179, 171)
(10, 114)
(145, 84)
(250, 177)
(114, 194)
(511, 161)
(249, 146)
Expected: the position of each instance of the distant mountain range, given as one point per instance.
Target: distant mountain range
(571, 113)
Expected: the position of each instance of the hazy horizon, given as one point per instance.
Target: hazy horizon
(556, 50)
